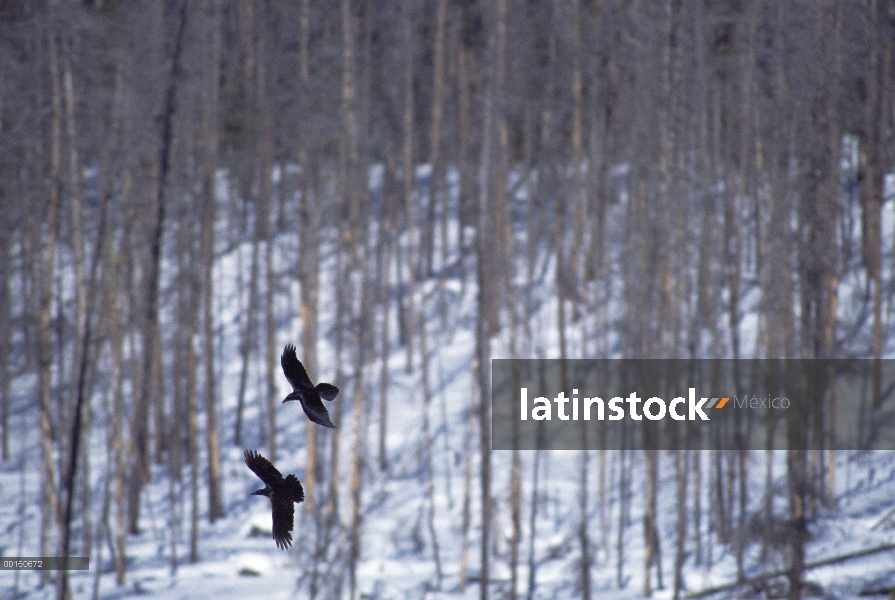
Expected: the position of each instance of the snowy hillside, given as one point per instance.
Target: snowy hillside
(421, 525)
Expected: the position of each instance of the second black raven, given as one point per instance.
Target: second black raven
(282, 491)
(306, 392)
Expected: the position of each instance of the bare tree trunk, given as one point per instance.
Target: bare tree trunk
(733, 268)
(331, 522)
(182, 432)
(871, 156)
(437, 176)
(579, 230)
(467, 488)
(347, 252)
(309, 248)
(119, 450)
(797, 477)
(265, 235)
(81, 398)
(498, 266)
(427, 434)
(559, 208)
(583, 533)
(7, 219)
(463, 141)
(147, 395)
(193, 293)
(409, 177)
(174, 436)
(358, 449)
(192, 433)
(309, 269)
(5, 331)
(385, 301)
(697, 507)
(250, 182)
(623, 483)
(515, 519)
(356, 109)
(248, 340)
(75, 205)
(349, 150)
(208, 220)
(515, 492)
(215, 506)
(532, 526)
(485, 307)
(681, 469)
(102, 527)
(742, 458)
(650, 529)
(48, 240)
(602, 500)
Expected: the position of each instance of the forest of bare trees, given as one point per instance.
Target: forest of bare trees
(678, 178)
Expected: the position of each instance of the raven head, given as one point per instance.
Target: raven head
(265, 491)
(293, 396)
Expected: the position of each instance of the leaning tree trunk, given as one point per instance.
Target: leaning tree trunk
(147, 395)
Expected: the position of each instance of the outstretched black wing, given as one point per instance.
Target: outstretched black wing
(263, 469)
(283, 513)
(293, 369)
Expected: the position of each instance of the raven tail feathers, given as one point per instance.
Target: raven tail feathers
(327, 391)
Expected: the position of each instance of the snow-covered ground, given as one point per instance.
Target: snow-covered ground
(238, 559)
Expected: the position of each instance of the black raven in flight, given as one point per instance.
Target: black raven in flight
(305, 391)
(282, 493)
